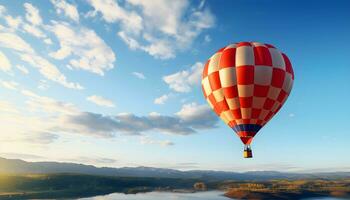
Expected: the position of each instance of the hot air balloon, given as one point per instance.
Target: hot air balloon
(246, 84)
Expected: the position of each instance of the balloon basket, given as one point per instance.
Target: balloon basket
(247, 153)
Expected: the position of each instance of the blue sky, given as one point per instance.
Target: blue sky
(117, 83)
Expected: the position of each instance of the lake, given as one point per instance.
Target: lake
(211, 195)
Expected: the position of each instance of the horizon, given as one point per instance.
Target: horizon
(182, 170)
(119, 85)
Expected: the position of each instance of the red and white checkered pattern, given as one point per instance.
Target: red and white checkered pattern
(247, 82)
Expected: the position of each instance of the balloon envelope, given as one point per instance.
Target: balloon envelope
(246, 84)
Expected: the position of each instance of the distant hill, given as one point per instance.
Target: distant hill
(16, 166)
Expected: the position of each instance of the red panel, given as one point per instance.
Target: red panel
(232, 124)
(262, 56)
(261, 90)
(222, 105)
(230, 92)
(220, 50)
(289, 67)
(214, 81)
(246, 140)
(255, 113)
(246, 121)
(270, 46)
(228, 58)
(282, 96)
(246, 102)
(268, 104)
(278, 76)
(245, 75)
(237, 113)
(205, 70)
(240, 44)
(268, 116)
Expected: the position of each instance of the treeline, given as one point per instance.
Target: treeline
(75, 185)
(286, 189)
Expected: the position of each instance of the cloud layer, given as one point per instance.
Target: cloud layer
(147, 25)
(47, 126)
(183, 81)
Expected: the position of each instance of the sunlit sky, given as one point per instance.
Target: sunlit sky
(117, 83)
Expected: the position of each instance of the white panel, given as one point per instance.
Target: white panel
(273, 92)
(206, 86)
(275, 106)
(233, 103)
(231, 46)
(288, 83)
(258, 44)
(244, 56)
(262, 75)
(245, 90)
(218, 95)
(224, 118)
(277, 58)
(246, 113)
(228, 76)
(214, 63)
(228, 115)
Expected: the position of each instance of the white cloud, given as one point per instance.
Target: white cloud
(48, 70)
(43, 85)
(23, 69)
(199, 116)
(207, 38)
(48, 41)
(101, 101)
(7, 107)
(33, 27)
(5, 64)
(13, 22)
(44, 123)
(148, 140)
(67, 9)
(27, 54)
(33, 30)
(162, 99)
(23, 128)
(22, 156)
(13, 41)
(291, 115)
(91, 160)
(139, 75)
(89, 52)
(32, 14)
(47, 104)
(11, 85)
(184, 80)
(111, 11)
(148, 26)
(2, 10)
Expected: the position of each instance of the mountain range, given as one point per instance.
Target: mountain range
(16, 166)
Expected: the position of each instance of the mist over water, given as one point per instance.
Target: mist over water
(212, 195)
